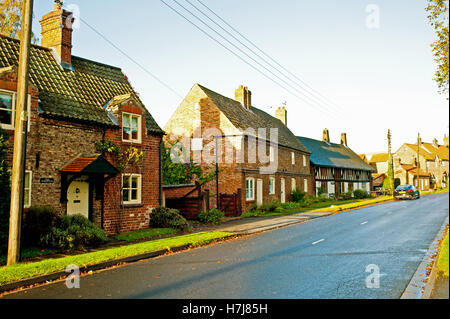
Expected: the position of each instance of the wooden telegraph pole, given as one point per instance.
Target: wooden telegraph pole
(19, 136)
(418, 161)
(390, 163)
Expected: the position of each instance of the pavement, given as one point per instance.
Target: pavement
(372, 252)
(252, 225)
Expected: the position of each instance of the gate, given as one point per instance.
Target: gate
(230, 204)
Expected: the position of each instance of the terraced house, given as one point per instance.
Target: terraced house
(77, 109)
(336, 168)
(250, 162)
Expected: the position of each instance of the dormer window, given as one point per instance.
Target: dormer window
(131, 128)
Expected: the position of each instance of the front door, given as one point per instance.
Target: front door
(283, 191)
(78, 197)
(259, 192)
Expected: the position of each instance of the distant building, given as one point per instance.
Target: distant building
(433, 160)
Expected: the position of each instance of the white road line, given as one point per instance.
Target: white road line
(364, 223)
(319, 241)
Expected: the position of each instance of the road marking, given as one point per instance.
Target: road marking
(319, 241)
(364, 223)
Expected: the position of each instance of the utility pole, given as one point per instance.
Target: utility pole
(418, 161)
(390, 163)
(19, 136)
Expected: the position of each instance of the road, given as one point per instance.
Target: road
(322, 258)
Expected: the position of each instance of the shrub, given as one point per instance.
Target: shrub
(253, 208)
(213, 216)
(360, 194)
(162, 217)
(269, 207)
(297, 196)
(37, 221)
(73, 232)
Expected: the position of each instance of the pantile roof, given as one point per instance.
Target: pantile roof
(80, 94)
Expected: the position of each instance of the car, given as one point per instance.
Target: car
(406, 192)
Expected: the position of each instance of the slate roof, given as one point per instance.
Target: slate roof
(333, 155)
(73, 95)
(254, 118)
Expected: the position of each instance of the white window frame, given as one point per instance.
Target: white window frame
(305, 182)
(293, 184)
(27, 201)
(304, 160)
(293, 158)
(250, 189)
(139, 189)
(13, 110)
(272, 181)
(139, 138)
(271, 154)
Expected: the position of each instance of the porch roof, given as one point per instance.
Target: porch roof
(90, 165)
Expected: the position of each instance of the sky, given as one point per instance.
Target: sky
(371, 59)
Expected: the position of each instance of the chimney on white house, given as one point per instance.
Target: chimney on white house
(244, 96)
(281, 114)
(326, 135)
(344, 139)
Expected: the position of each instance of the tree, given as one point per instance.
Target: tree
(176, 172)
(11, 19)
(439, 19)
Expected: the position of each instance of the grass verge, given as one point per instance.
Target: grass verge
(443, 258)
(328, 206)
(145, 233)
(21, 271)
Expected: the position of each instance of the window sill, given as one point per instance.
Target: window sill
(132, 142)
(131, 205)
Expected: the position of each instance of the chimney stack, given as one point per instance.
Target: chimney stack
(326, 135)
(435, 143)
(56, 33)
(281, 114)
(244, 96)
(344, 139)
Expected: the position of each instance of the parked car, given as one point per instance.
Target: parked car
(406, 192)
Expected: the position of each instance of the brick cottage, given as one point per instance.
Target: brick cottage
(205, 118)
(75, 106)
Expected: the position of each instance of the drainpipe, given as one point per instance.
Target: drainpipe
(102, 212)
(160, 171)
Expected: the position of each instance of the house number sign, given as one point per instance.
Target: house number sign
(47, 180)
